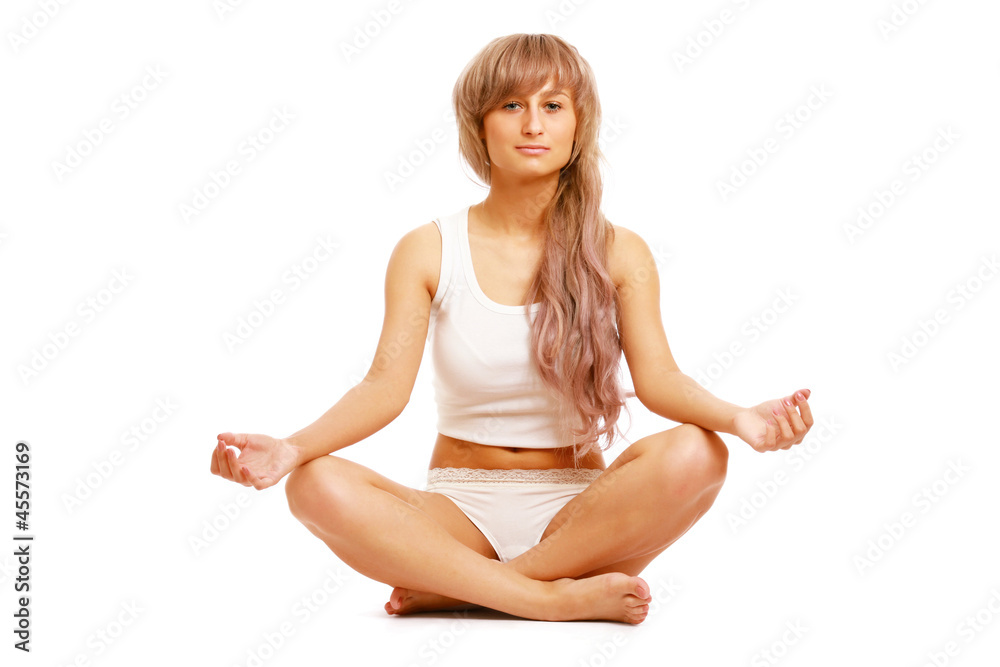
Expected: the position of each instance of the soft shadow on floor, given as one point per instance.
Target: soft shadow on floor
(448, 615)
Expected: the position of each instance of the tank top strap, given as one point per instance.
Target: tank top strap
(446, 225)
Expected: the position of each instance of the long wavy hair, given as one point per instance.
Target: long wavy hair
(574, 337)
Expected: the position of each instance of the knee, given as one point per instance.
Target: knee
(699, 456)
(308, 488)
(707, 454)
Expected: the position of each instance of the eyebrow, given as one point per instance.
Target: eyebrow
(551, 92)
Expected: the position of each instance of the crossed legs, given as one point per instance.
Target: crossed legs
(647, 498)
(586, 565)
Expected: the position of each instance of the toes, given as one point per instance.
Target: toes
(397, 596)
(637, 615)
(642, 589)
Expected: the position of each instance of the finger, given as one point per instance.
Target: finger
(798, 428)
(237, 468)
(774, 435)
(769, 433)
(215, 460)
(248, 476)
(255, 481)
(224, 469)
(785, 434)
(803, 405)
(238, 440)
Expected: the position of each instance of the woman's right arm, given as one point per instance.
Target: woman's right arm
(369, 406)
(381, 396)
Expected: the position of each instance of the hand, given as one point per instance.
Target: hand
(262, 460)
(775, 424)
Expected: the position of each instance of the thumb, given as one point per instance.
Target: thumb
(239, 440)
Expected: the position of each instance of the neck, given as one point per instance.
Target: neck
(515, 209)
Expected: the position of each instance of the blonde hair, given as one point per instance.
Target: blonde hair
(574, 337)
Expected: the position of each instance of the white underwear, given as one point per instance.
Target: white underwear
(512, 508)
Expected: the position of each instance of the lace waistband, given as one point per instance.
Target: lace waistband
(517, 475)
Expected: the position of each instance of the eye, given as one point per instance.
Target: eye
(549, 104)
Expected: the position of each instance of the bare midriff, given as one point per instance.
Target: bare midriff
(451, 452)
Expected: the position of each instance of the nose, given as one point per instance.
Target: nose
(533, 121)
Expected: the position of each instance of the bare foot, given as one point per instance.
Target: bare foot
(614, 596)
(406, 601)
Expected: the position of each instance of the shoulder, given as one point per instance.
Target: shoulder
(628, 252)
(418, 253)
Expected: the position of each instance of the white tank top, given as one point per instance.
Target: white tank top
(486, 387)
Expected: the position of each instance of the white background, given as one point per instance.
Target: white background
(673, 132)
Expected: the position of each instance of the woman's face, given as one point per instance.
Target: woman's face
(544, 118)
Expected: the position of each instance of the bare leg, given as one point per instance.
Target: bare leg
(390, 540)
(647, 498)
(652, 494)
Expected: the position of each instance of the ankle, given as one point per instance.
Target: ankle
(554, 600)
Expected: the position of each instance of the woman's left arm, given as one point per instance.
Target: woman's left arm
(775, 424)
(660, 385)
(678, 397)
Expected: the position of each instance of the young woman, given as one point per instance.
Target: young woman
(529, 297)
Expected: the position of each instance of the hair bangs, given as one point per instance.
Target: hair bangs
(526, 65)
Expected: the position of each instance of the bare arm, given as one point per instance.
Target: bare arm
(663, 388)
(381, 396)
(680, 398)
(659, 384)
